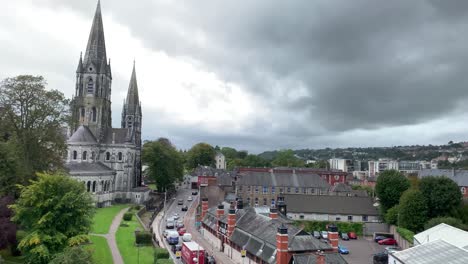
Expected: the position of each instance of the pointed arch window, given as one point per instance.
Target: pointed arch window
(85, 155)
(90, 86)
(94, 114)
(75, 155)
(120, 156)
(107, 155)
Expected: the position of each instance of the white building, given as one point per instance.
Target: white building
(345, 165)
(378, 166)
(220, 161)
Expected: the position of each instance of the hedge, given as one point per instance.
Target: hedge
(143, 238)
(164, 261)
(406, 234)
(310, 226)
(160, 254)
(127, 216)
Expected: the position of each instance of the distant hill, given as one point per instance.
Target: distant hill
(415, 152)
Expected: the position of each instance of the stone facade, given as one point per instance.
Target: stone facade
(107, 160)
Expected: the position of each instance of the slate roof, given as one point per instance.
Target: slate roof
(458, 176)
(88, 167)
(438, 251)
(82, 135)
(330, 258)
(341, 187)
(120, 136)
(224, 178)
(326, 204)
(255, 178)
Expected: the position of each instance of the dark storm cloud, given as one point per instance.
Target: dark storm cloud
(319, 66)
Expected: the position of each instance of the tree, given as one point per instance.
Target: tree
(446, 220)
(391, 217)
(164, 162)
(73, 255)
(442, 195)
(286, 158)
(201, 154)
(32, 121)
(229, 153)
(8, 170)
(7, 228)
(320, 164)
(412, 210)
(390, 185)
(56, 212)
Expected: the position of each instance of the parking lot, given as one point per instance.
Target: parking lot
(361, 250)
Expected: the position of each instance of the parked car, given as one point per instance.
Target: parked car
(194, 192)
(378, 238)
(182, 231)
(170, 225)
(324, 234)
(392, 249)
(344, 236)
(342, 249)
(352, 235)
(316, 234)
(387, 241)
(184, 208)
(180, 202)
(380, 258)
(175, 216)
(189, 198)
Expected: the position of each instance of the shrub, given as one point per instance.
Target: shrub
(127, 216)
(137, 207)
(310, 226)
(455, 222)
(143, 238)
(164, 261)
(406, 234)
(160, 254)
(391, 217)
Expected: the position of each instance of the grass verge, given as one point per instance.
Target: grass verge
(103, 218)
(101, 250)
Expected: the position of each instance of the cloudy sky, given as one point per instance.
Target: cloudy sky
(265, 74)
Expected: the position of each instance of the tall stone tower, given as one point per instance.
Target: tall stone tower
(131, 120)
(91, 105)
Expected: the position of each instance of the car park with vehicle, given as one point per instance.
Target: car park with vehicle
(316, 234)
(324, 234)
(344, 236)
(391, 249)
(378, 238)
(387, 241)
(380, 258)
(342, 249)
(352, 235)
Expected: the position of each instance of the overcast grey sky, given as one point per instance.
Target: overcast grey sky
(265, 74)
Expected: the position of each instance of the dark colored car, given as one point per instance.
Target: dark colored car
(180, 202)
(184, 208)
(387, 241)
(378, 238)
(344, 236)
(380, 258)
(211, 260)
(352, 235)
(176, 248)
(194, 192)
(316, 234)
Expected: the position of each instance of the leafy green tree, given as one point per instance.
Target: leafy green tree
(255, 161)
(390, 185)
(8, 169)
(201, 154)
(56, 212)
(74, 255)
(229, 153)
(442, 195)
(391, 217)
(32, 121)
(320, 164)
(286, 158)
(242, 154)
(165, 164)
(412, 210)
(446, 220)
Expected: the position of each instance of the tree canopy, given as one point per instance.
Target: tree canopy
(442, 195)
(74, 255)
(201, 154)
(286, 158)
(412, 210)
(32, 121)
(455, 222)
(56, 212)
(389, 188)
(164, 161)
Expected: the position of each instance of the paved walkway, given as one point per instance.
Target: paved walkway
(110, 237)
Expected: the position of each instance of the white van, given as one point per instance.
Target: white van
(187, 237)
(172, 237)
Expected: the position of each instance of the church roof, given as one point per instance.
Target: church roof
(82, 135)
(88, 168)
(96, 48)
(118, 135)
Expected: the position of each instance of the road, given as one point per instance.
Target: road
(171, 208)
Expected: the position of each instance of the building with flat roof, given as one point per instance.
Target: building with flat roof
(437, 251)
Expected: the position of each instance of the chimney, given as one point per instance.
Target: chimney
(320, 257)
(333, 237)
(282, 205)
(282, 245)
(273, 212)
(204, 207)
(219, 214)
(231, 220)
(240, 203)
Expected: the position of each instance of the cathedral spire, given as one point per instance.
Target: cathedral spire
(96, 48)
(132, 94)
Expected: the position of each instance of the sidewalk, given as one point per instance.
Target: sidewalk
(189, 222)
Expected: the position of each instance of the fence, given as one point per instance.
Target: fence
(369, 228)
(403, 243)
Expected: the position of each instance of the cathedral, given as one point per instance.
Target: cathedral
(107, 160)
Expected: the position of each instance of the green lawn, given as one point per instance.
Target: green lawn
(126, 243)
(103, 218)
(152, 186)
(101, 250)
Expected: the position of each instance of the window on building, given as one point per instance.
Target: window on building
(350, 218)
(93, 155)
(304, 190)
(273, 202)
(248, 200)
(75, 155)
(94, 114)
(120, 156)
(264, 201)
(94, 186)
(248, 189)
(463, 190)
(256, 189)
(301, 216)
(364, 218)
(265, 189)
(312, 190)
(256, 201)
(289, 189)
(280, 190)
(107, 155)
(85, 155)
(273, 190)
(297, 190)
(88, 186)
(337, 218)
(239, 188)
(90, 86)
